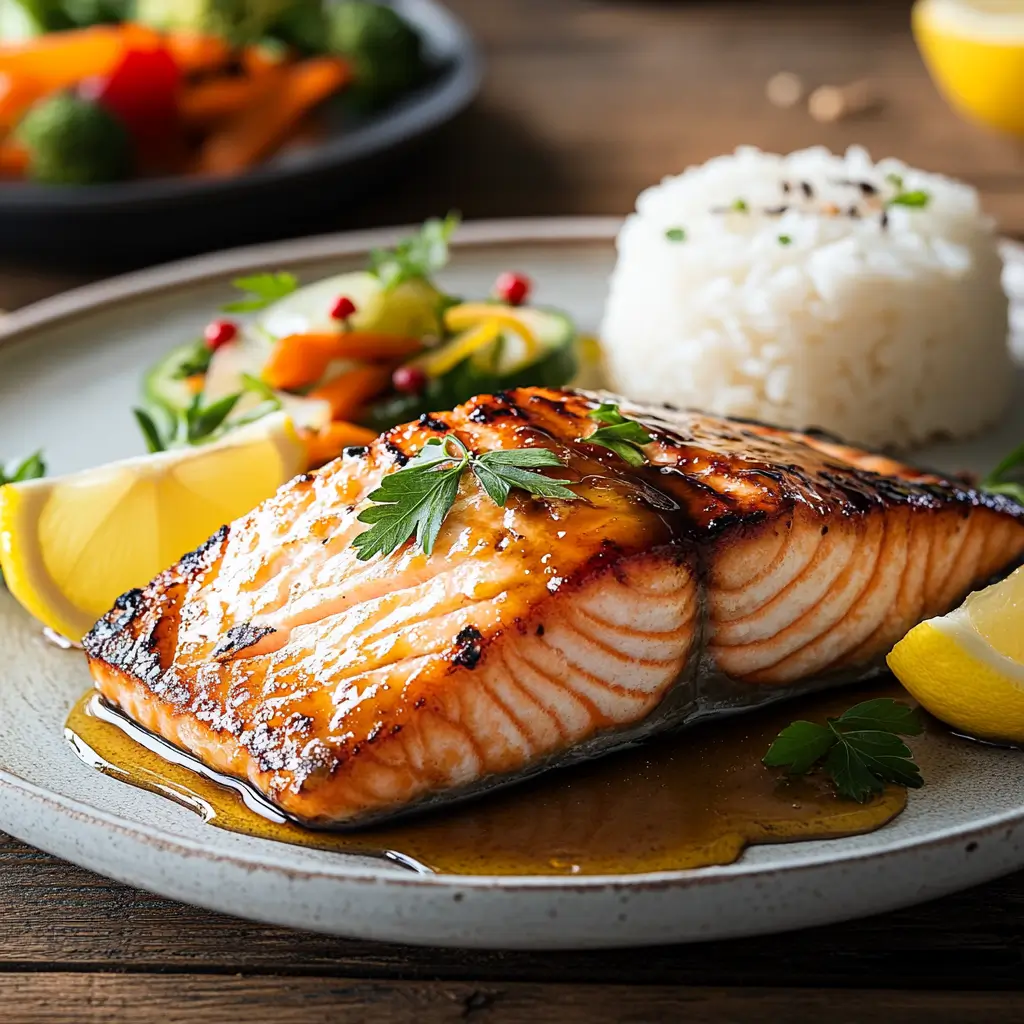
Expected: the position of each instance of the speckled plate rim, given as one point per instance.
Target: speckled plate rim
(727, 897)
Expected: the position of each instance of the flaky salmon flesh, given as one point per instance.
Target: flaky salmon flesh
(739, 565)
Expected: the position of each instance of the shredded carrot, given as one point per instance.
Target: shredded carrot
(197, 54)
(17, 94)
(13, 160)
(376, 347)
(327, 444)
(59, 60)
(348, 393)
(256, 60)
(259, 128)
(204, 104)
(300, 359)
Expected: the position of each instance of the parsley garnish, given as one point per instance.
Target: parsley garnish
(417, 498)
(619, 434)
(860, 750)
(785, 240)
(676, 234)
(1008, 477)
(261, 290)
(420, 255)
(740, 206)
(917, 198)
(195, 361)
(196, 424)
(896, 180)
(31, 468)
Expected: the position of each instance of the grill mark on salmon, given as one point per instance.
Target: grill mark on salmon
(743, 564)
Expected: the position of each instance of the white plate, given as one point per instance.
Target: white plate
(69, 370)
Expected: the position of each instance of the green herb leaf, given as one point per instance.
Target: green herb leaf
(195, 361)
(918, 199)
(799, 747)
(676, 235)
(883, 713)
(416, 499)
(852, 777)
(202, 422)
(515, 467)
(623, 436)
(785, 240)
(150, 431)
(421, 255)
(413, 500)
(261, 290)
(31, 468)
(739, 205)
(1008, 476)
(896, 180)
(886, 756)
(860, 750)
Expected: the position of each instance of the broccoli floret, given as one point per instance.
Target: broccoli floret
(385, 50)
(74, 141)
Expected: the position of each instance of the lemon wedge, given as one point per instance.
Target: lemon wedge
(70, 545)
(974, 50)
(967, 668)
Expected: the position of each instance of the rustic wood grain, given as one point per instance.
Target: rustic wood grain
(202, 999)
(54, 913)
(585, 103)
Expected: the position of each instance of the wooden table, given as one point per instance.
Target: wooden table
(585, 103)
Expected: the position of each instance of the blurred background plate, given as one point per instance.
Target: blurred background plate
(145, 221)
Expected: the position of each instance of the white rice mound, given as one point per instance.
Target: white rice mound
(887, 330)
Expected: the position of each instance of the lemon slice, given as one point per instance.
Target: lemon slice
(70, 545)
(974, 50)
(967, 668)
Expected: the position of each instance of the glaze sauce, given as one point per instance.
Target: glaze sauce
(686, 800)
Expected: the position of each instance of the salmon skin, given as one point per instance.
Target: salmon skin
(740, 565)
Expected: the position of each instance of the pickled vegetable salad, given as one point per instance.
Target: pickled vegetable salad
(353, 354)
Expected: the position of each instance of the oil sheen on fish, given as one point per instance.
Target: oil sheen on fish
(741, 564)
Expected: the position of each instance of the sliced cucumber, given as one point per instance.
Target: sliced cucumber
(503, 366)
(412, 309)
(164, 384)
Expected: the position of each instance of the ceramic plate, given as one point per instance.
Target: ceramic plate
(141, 221)
(69, 370)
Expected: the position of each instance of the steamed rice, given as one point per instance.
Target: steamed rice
(784, 289)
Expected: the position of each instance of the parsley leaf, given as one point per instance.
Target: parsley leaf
(196, 425)
(918, 199)
(420, 255)
(416, 499)
(799, 747)
(623, 436)
(195, 361)
(261, 290)
(860, 750)
(31, 468)
(676, 234)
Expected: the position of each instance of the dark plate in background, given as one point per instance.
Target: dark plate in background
(147, 220)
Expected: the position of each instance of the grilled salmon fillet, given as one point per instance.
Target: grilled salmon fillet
(741, 564)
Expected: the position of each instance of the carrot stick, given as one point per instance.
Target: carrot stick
(61, 59)
(203, 105)
(301, 359)
(13, 160)
(197, 54)
(327, 444)
(17, 94)
(348, 393)
(259, 129)
(376, 347)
